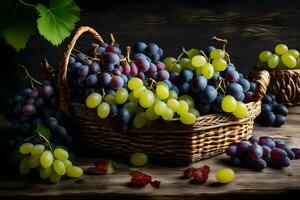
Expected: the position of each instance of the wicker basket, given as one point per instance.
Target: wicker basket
(284, 84)
(169, 141)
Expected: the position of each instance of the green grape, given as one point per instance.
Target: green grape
(188, 99)
(169, 61)
(160, 108)
(198, 61)
(183, 107)
(121, 95)
(137, 93)
(67, 163)
(37, 149)
(217, 54)
(281, 49)
(59, 167)
(184, 62)
(162, 91)
(273, 61)
(241, 110)
(176, 68)
(208, 70)
(135, 83)
(219, 64)
(140, 120)
(172, 95)
(194, 111)
(229, 104)
(188, 118)
(150, 114)
(289, 60)
(131, 106)
(173, 104)
(138, 159)
(34, 161)
(103, 110)
(24, 167)
(147, 99)
(225, 175)
(168, 114)
(264, 56)
(93, 100)
(294, 53)
(74, 171)
(45, 173)
(25, 148)
(132, 98)
(54, 177)
(61, 154)
(199, 70)
(46, 159)
(110, 99)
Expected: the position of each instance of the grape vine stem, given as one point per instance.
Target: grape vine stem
(113, 40)
(77, 50)
(27, 4)
(45, 139)
(29, 76)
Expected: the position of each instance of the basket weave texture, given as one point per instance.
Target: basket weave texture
(284, 84)
(170, 141)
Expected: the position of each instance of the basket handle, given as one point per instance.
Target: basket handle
(63, 91)
(262, 80)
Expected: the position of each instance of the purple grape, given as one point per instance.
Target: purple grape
(124, 77)
(288, 150)
(268, 118)
(252, 86)
(254, 138)
(80, 57)
(34, 93)
(160, 52)
(279, 163)
(39, 103)
(133, 69)
(186, 75)
(279, 143)
(267, 141)
(279, 120)
(248, 97)
(87, 62)
(232, 76)
(174, 77)
(141, 76)
(198, 83)
(112, 48)
(214, 80)
(51, 122)
(278, 154)
(153, 75)
(208, 95)
(142, 64)
(111, 58)
(159, 65)
(258, 164)
(163, 75)
(81, 82)
(29, 109)
(26, 92)
(204, 108)
(217, 104)
(83, 70)
(60, 131)
(152, 49)
(95, 67)
(232, 150)
(139, 47)
(255, 152)
(236, 90)
(109, 67)
(243, 147)
(72, 60)
(89, 91)
(46, 91)
(105, 78)
(126, 68)
(266, 107)
(266, 153)
(245, 84)
(153, 68)
(91, 80)
(280, 109)
(117, 82)
(296, 152)
(155, 57)
(184, 88)
(267, 99)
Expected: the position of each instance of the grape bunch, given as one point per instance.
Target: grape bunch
(32, 107)
(260, 152)
(151, 52)
(272, 113)
(283, 58)
(51, 165)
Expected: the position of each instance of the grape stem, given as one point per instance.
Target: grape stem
(152, 81)
(29, 76)
(77, 50)
(222, 81)
(27, 4)
(178, 58)
(203, 53)
(128, 54)
(113, 40)
(45, 139)
(228, 57)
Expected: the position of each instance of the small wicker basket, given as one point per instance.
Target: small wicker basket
(284, 84)
(170, 141)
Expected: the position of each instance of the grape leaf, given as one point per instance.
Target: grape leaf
(193, 52)
(42, 130)
(57, 22)
(20, 28)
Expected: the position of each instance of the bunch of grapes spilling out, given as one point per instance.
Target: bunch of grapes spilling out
(151, 52)
(52, 165)
(283, 58)
(32, 107)
(272, 113)
(260, 152)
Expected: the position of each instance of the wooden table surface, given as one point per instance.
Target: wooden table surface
(248, 184)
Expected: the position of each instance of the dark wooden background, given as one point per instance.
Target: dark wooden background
(250, 26)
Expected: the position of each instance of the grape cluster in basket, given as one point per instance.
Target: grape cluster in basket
(136, 92)
(283, 58)
(260, 152)
(52, 165)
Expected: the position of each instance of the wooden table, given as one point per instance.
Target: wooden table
(270, 183)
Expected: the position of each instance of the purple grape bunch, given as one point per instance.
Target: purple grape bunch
(259, 153)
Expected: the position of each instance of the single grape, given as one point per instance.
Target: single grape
(278, 154)
(29, 109)
(264, 56)
(160, 107)
(229, 104)
(46, 159)
(173, 104)
(266, 153)
(294, 53)
(273, 61)
(54, 177)
(37, 149)
(198, 83)
(131, 106)
(137, 93)
(67, 163)
(117, 82)
(255, 152)
(208, 95)
(267, 141)
(296, 152)
(163, 75)
(169, 61)
(217, 54)
(289, 60)
(74, 171)
(258, 164)
(111, 58)
(198, 61)
(242, 147)
(103, 110)
(183, 107)
(194, 111)
(61, 154)
(140, 120)
(232, 150)
(150, 114)
(162, 91)
(187, 99)
(207, 71)
(45, 173)
(172, 95)
(225, 175)
(186, 75)
(59, 167)
(219, 64)
(168, 114)
(187, 118)
(26, 148)
(24, 167)
(146, 99)
(138, 159)
(34, 161)
(93, 100)
(121, 95)
(241, 110)
(281, 49)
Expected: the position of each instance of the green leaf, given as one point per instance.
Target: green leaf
(20, 29)
(43, 131)
(193, 52)
(57, 22)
